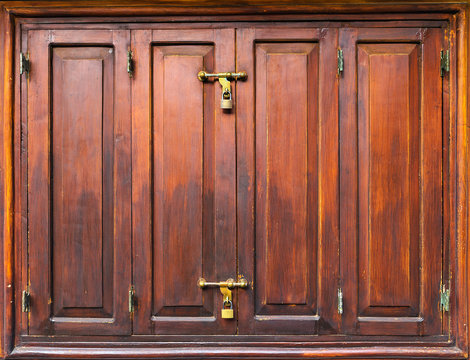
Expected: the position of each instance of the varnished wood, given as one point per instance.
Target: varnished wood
(192, 218)
(77, 192)
(240, 353)
(408, 199)
(273, 305)
(455, 212)
(388, 143)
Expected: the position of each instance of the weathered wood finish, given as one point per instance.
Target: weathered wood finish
(192, 231)
(82, 185)
(78, 197)
(399, 182)
(295, 237)
(237, 174)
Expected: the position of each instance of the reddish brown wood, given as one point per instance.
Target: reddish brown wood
(331, 147)
(286, 161)
(78, 159)
(204, 7)
(141, 182)
(388, 120)
(193, 182)
(287, 290)
(400, 184)
(458, 170)
(82, 193)
(240, 352)
(6, 184)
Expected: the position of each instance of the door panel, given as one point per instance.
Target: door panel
(180, 184)
(192, 232)
(388, 179)
(82, 218)
(399, 162)
(78, 217)
(286, 155)
(287, 268)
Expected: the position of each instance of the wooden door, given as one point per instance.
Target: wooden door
(287, 180)
(391, 152)
(183, 181)
(78, 182)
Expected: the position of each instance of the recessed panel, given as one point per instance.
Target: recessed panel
(389, 155)
(182, 153)
(286, 148)
(82, 181)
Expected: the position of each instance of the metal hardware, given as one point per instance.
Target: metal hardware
(227, 299)
(340, 301)
(131, 299)
(26, 301)
(444, 298)
(227, 313)
(25, 65)
(225, 288)
(340, 61)
(226, 102)
(229, 283)
(130, 64)
(445, 62)
(203, 76)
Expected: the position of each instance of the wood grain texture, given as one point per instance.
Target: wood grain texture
(82, 181)
(400, 216)
(78, 161)
(286, 130)
(7, 272)
(388, 121)
(456, 196)
(142, 212)
(182, 249)
(240, 352)
(192, 218)
(458, 170)
(203, 7)
(288, 267)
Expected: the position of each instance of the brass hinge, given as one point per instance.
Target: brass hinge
(130, 63)
(444, 298)
(25, 65)
(445, 62)
(340, 61)
(340, 301)
(26, 301)
(131, 299)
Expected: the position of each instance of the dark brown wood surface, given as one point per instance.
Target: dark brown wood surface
(398, 186)
(82, 190)
(78, 193)
(295, 265)
(190, 158)
(383, 295)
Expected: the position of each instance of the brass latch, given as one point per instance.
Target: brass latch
(225, 289)
(224, 80)
(229, 283)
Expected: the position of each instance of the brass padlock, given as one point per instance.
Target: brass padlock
(227, 313)
(226, 102)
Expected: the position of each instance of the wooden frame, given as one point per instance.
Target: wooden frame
(14, 14)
